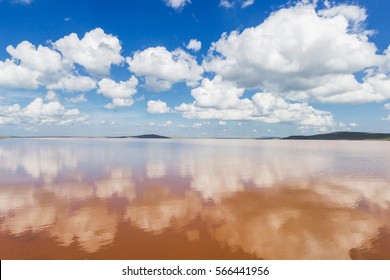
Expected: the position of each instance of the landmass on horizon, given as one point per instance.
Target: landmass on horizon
(338, 135)
(342, 135)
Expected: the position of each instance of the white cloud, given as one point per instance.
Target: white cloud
(39, 112)
(353, 124)
(353, 14)
(177, 4)
(222, 123)
(8, 114)
(119, 102)
(219, 99)
(51, 96)
(162, 68)
(194, 45)
(32, 66)
(226, 4)
(197, 125)
(74, 83)
(303, 54)
(296, 113)
(272, 109)
(96, 51)
(157, 107)
(164, 124)
(247, 3)
(80, 98)
(344, 89)
(17, 76)
(217, 94)
(191, 111)
(41, 59)
(120, 93)
(11, 109)
(38, 108)
(232, 3)
(344, 126)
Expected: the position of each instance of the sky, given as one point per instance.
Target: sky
(193, 68)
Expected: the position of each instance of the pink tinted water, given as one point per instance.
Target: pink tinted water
(194, 199)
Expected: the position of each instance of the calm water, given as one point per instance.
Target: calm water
(194, 199)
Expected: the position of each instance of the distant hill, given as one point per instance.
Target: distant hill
(151, 136)
(342, 135)
(267, 138)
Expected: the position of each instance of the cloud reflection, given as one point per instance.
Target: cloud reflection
(267, 199)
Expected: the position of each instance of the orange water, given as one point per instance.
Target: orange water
(194, 199)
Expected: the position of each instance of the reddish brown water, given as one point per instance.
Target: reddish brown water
(194, 199)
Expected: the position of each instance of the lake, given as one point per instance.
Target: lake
(194, 199)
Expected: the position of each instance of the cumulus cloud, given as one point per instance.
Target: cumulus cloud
(273, 109)
(219, 99)
(303, 54)
(39, 112)
(38, 108)
(17, 76)
(177, 4)
(354, 14)
(42, 59)
(162, 68)
(194, 45)
(51, 96)
(121, 93)
(74, 83)
(77, 99)
(344, 89)
(217, 94)
(157, 107)
(293, 113)
(30, 67)
(96, 51)
(191, 111)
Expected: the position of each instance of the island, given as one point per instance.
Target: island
(150, 136)
(342, 135)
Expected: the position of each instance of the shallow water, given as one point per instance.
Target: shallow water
(194, 199)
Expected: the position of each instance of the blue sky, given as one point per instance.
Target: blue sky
(221, 68)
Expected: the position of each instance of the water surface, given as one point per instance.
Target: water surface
(194, 199)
